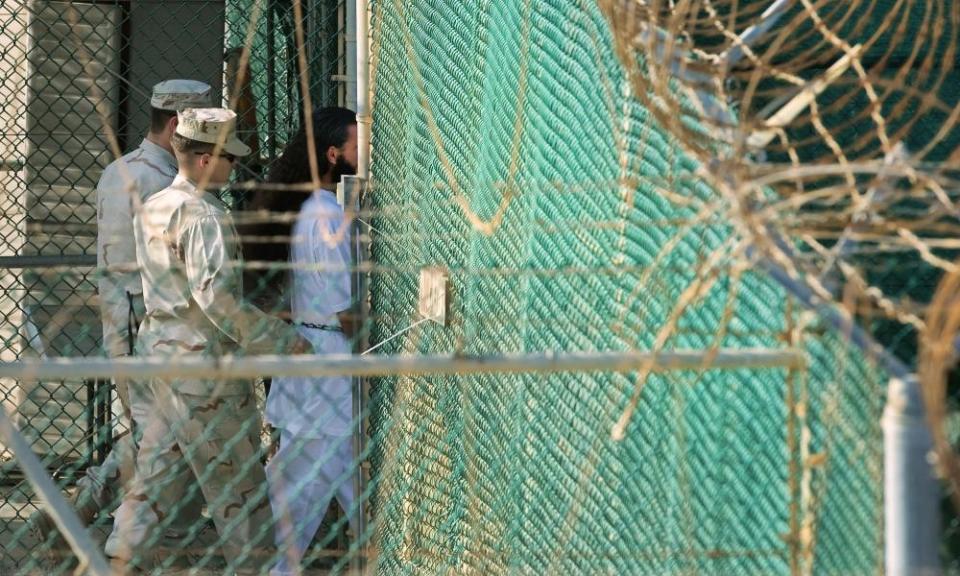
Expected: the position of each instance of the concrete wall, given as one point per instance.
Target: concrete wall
(72, 66)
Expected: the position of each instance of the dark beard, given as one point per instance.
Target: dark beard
(342, 168)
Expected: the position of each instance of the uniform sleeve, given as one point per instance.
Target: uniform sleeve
(214, 277)
(117, 260)
(331, 259)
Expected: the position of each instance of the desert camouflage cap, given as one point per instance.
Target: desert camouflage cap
(179, 94)
(211, 125)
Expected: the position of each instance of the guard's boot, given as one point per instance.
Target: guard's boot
(52, 548)
(87, 501)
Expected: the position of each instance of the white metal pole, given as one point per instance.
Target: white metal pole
(364, 122)
(229, 367)
(350, 54)
(911, 490)
(364, 119)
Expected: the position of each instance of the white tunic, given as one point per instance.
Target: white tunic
(124, 185)
(320, 288)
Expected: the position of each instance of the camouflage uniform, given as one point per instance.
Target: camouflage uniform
(125, 182)
(123, 186)
(188, 252)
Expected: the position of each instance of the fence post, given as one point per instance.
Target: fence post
(353, 195)
(911, 489)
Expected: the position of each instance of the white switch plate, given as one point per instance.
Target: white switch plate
(433, 294)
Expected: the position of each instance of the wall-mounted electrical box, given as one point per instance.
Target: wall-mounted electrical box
(432, 303)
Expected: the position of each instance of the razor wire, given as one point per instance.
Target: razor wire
(831, 132)
(568, 218)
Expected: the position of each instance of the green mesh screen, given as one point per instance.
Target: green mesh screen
(508, 149)
(524, 106)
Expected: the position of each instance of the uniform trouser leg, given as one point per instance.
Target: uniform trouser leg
(166, 450)
(305, 474)
(220, 441)
(157, 454)
(102, 483)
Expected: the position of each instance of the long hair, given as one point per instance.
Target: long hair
(269, 241)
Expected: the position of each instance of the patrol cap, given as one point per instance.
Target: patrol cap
(176, 95)
(211, 125)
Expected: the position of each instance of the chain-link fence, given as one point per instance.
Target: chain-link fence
(566, 360)
(588, 247)
(77, 81)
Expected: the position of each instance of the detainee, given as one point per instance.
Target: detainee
(315, 417)
(188, 253)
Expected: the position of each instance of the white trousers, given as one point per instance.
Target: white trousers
(304, 475)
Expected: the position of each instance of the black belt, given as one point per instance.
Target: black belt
(324, 327)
